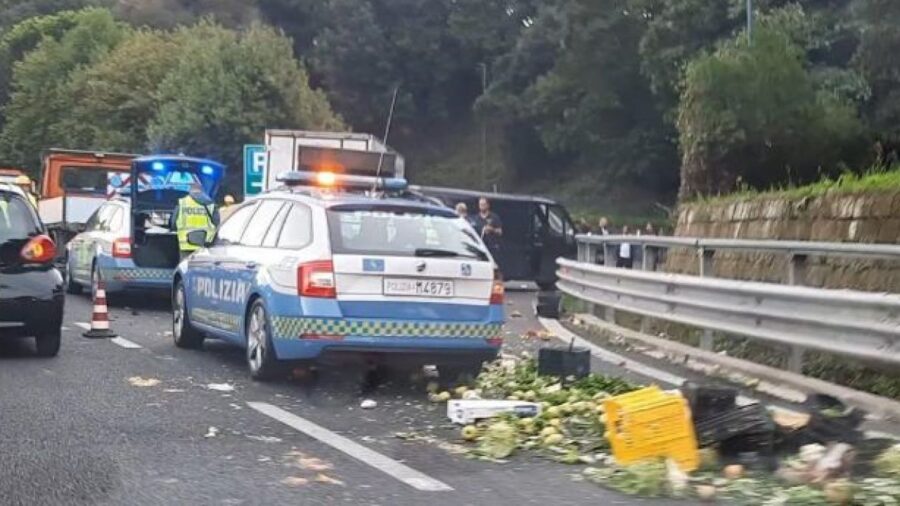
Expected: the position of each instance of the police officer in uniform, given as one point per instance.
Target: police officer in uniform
(196, 211)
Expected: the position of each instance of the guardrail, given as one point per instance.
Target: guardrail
(860, 325)
(796, 252)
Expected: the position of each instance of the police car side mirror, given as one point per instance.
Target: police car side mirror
(197, 238)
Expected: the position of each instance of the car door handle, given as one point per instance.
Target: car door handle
(251, 265)
(217, 263)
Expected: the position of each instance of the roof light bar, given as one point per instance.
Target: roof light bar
(341, 181)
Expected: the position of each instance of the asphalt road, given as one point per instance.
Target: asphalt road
(81, 429)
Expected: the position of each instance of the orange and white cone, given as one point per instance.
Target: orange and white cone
(100, 316)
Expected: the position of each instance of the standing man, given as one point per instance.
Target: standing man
(196, 211)
(24, 182)
(603, 226)
(462, 210)
(489, 226)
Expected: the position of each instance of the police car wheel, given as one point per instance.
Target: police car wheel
(184, 334)
(260, 355)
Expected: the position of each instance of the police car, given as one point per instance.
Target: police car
(317, 270)
(130, 241)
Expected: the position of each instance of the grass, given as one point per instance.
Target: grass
(874, 179)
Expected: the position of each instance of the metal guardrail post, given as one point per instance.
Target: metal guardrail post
(609, 254)
(651, 258)
(649, 262)
(590, 257)
(705, 257)
(796, 359)
(796, 276)
(797, 269)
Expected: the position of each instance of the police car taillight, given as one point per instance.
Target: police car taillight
(121, 248)
(316, 279)
(498, 291)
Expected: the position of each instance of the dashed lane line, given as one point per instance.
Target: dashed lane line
(125, 343)
(387, 465)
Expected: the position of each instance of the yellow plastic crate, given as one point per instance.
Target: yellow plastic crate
(650, 423)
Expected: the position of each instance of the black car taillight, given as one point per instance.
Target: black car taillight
(38, 250)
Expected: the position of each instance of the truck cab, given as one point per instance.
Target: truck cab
(74, 186)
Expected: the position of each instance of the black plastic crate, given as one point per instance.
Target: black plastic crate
(564, 362)
(739, 421)
(548, 304)
(707, 401)
(832, 421)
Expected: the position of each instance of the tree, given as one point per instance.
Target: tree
(24, 37)
(172, 13)
(40, 84)
(878, 60)
(352, 61)
(226, 88)
(14, 11)
(115, 99)
(752, 113)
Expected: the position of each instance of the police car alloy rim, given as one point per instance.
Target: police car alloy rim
(256, 338)
(178, 314)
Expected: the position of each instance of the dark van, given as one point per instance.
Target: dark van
(536, 231)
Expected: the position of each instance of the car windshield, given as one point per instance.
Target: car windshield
(402, 232)
(16, 219)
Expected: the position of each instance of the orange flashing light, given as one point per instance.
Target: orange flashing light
(326, 178)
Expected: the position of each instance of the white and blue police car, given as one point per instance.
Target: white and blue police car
(319, 270)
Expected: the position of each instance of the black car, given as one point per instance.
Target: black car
(536, 231)
(31, 288)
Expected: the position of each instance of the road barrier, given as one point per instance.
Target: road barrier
(861, 325)
(592, 248)
(100, 315)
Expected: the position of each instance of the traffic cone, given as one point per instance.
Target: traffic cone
(100, 316)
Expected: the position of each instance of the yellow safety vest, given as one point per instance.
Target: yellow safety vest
(191, 215)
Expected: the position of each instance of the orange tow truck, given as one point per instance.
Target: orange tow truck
(75, 184)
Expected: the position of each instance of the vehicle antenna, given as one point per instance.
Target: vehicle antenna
(387, 132)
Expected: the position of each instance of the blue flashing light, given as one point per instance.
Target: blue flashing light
(207, 170)
(394, 184)
(159, 166)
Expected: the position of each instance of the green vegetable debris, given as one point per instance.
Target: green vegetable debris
(571, 428)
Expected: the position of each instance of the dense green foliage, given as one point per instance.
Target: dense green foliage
(622, 98)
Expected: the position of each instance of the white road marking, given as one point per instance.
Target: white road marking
(385, 464)
(125, 343)
(84, 326)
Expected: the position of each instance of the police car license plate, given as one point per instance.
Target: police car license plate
(418, 287)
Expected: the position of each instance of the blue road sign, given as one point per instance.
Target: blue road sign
(254, 169)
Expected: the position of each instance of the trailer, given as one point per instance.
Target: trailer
(341, 152)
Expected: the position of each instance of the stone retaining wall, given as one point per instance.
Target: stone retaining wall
(866, 218)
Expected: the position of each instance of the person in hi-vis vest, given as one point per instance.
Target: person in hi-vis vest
(196, 211)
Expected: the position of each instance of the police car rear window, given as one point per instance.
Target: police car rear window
(402, 233)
